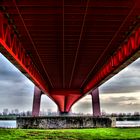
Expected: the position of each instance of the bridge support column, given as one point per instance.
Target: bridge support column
(96, 102)
(36, 101)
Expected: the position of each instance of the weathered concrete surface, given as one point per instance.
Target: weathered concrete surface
(64, 122)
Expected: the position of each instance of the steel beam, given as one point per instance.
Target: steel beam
(65, 99)
(10, 44)
(126, 51)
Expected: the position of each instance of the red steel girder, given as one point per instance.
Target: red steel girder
(65, 98)
(124, 53)
(10, 44)
(54, 26)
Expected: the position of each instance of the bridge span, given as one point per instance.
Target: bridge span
(68, 48)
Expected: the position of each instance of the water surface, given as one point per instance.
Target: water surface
(127, 123)
(8, 123)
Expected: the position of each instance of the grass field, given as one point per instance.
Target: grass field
(70, 134)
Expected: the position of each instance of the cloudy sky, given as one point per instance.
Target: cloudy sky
(120, 94)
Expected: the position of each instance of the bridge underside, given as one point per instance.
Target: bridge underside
(69, 48)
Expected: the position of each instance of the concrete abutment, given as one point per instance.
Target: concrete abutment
(58, 122)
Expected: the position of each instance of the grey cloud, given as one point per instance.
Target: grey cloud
(128, 80)
(136, 65)
(133, 104)
(16, 91)
(47, 103)
(83, 106)
(120, 104)
(119, 99)
(12, 76)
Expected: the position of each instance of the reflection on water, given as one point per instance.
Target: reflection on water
(128, 124)
(8, 123)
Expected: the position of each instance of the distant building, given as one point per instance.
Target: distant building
(16, 111)
(49, 111)
(5, 111)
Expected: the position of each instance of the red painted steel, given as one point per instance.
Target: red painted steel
(65, 98)
(95, 102)
(36, 101)
(9, 40)
(121, 55)
(69, 47)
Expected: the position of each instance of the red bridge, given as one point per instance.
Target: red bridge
(69, 47)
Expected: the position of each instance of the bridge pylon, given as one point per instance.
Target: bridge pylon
(36, 101)
(96, 103)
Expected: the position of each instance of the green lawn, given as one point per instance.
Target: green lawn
(70, 134)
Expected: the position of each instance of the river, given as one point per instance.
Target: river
(127, 123)
(8, 123)
(12, 123)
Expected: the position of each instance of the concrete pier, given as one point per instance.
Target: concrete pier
(57, 122)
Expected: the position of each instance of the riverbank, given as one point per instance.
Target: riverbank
(8, 117)
(70, 134)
